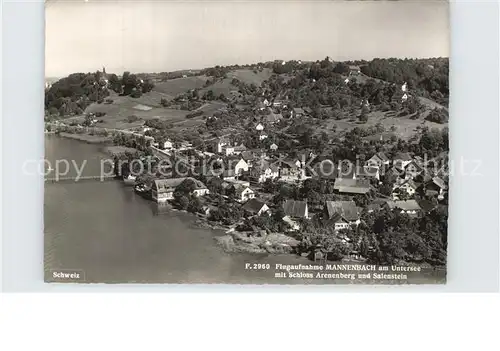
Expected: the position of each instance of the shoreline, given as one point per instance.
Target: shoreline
(86, 138)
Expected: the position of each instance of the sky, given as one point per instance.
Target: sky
(168, 35)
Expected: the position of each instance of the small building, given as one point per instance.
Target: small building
(293, 225)
(343, 213)
(354, 70)
(238, 149)
(262, 136)
(404, 87)
(259, 127)
(255, 207)
(404, 97)
(413, 169)
(296, 209)
(168, 145)
(379, 160)
(221, 143)
(409, 207)
(352, 186)
(298, 112)
(273, 147)
(435, 187)
(242, 193)
(163, 189)
(408, 186)
(401, 160)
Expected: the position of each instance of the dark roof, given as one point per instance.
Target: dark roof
(253, 205)
(166, 185)
(347, 170)
(416, 165)
(406, 205)
(247, 155)
(353, 186)
(346, 209)
(295, 208)
(439, 182)
(240, 148)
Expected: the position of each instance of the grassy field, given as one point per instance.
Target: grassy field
(174, 87)
(405, 126)
(249, 77)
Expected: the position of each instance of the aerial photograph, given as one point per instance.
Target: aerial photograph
(246, 142)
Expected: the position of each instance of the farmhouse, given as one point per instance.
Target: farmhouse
(259, 127)
(353, 70)
(342, 213)
(273, 147)
(296, 209)
(255, 207)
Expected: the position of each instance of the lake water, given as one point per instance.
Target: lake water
(113, 235)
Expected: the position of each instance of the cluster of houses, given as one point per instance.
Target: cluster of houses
(243, 171)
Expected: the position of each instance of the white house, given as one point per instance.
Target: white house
(262, 136)
(404, 97)
(241, 166)
(243, 194)
(168, 145)
(263, 170)
(220, 143)
(408, 186)
(259, 127)
(273, 147)
(410, 207)
(404, 87)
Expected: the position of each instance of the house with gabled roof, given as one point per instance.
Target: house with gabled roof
(342, 213)
(241, 193)
(407, 186)
(291, 171)
(401, 160)
(413, 169)
(436, 186)
(378, 160)
(259, 127)
(273, 147)
(296, 209)
(298, 112)
(255, 207)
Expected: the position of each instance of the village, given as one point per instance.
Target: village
(264, 161)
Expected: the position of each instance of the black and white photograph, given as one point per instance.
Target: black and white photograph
(246, 142)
